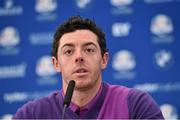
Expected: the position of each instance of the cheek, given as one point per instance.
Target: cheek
(65, 65)
(95, 64)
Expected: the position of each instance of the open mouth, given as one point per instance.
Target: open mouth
(80, 72)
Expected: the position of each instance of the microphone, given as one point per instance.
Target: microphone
(68, 96)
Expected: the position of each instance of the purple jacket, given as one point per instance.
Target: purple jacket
(115, 102)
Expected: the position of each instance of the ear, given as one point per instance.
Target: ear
(56, 64)
(104, 61)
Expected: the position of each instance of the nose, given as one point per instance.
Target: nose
(79, 60)
(79, 57)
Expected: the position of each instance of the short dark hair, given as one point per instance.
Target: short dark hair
(78, 23)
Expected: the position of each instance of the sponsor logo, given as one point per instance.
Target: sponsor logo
(121, 29)
(158, 1)
(121, 6)
(45, 6)
(9, 9)
(161, 24)
(169, 112)
(162, 28)
(7, 117)
(163, 59)
(150, 87)
(124, 63)
(41, 38)
(121, 2)
(46, 10)
(46, 72)
(9, 39)
(9, 36)
(158, 87)
(44, 67)
(13, 71)
(83, 4)
(16, 96)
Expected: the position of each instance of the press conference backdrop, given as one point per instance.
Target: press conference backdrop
(143, 37)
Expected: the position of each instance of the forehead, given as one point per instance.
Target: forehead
(78, 37)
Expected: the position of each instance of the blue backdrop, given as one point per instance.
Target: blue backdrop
(142, 37)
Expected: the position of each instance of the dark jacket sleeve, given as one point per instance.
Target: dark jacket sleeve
(142, 106)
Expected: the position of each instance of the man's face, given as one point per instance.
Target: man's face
(79, 58)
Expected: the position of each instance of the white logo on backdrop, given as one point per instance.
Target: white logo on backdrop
(124, 61)
(46, 10)
(9, 36)
(45, 6)
(159, 87)
(120, 29)
(121, 2)
(121, 6)
(82, 3)
(158, 1)
(13, 71)
(161, 24)
(9, 9)
(42, 38)
(7, 117)
(45, 67)
(163, 58)
(8, 4)
(169, 112)
(16, 96)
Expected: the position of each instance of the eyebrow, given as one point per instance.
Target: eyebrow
(90, 43)
(67, 45)
(72, 45)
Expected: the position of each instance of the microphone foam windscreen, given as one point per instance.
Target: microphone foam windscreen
(69, 93)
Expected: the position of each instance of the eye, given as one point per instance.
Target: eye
(89, 50)
(68, 52)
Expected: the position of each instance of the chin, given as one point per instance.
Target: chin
(83, 85)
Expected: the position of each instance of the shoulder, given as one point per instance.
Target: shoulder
(139, 103)
(47, 100)
(31, 108)
(142, 105)
(130, 94)
(117, 92)
(137, 96)
(118, 89)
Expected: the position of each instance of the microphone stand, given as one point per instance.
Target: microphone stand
(64, 109)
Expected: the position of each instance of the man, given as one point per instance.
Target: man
(80, 54)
